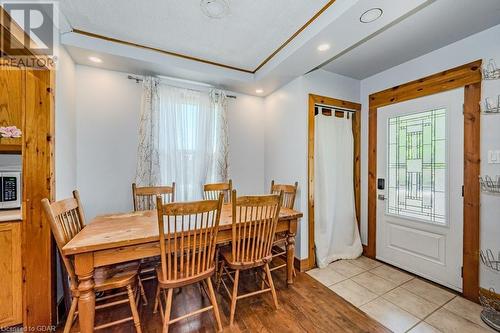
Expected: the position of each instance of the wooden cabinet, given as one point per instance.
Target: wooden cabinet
(11, 105)
(10, 274)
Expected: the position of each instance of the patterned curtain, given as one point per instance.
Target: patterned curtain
(148, 162)
(218, 103)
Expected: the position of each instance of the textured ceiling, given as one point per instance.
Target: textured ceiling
(251, 32)
(437, 25)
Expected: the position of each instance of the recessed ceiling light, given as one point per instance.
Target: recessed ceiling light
(95, 59)
(215, 8)
(259, 91)
(323, 47)
(371, 15)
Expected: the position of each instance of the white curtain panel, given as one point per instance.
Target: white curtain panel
(336, 230)
(148, 163)
(190, 132)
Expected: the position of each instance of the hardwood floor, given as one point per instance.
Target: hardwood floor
(307, 306)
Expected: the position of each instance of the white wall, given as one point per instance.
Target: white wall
(65, 126)
(483, 45)
(286, 134)
(107, 121)
(246, 144)
(65, 135)
(108, 106)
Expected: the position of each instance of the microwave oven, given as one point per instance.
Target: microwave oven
(10, 186)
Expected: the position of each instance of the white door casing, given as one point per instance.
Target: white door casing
(420, 210)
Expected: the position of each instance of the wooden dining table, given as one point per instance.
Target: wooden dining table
(118, 238)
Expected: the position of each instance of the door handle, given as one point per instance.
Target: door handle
(381, 197)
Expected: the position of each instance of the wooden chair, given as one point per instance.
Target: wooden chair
(188, 233)
(253, 228)
(66, 220)
(279, 245)
(212, 191)
(145, 199)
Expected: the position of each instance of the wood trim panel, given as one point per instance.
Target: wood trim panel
(372, 182)
(205, 61)
(11, 274)
(356, 133)
(447, 80)
(310, 181)
(471, 201)
(469, 77)
(316, 99)
(38, 175)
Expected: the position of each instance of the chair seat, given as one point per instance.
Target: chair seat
(182, 280)
(227, 254)
(107, 278)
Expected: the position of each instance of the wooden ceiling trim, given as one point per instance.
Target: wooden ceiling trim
(205, 61)
(179, 55)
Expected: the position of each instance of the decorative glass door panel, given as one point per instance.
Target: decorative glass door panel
(416, 168)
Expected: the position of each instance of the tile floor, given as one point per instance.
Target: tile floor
(398, 300)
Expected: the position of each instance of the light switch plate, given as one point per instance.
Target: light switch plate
(493, 156)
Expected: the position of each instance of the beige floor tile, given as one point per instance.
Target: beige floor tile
(423, 327)
(365, 263)
(391, 274)
(448, 322)
(326, 276)
(353, 292)
(374, 283)
(410, 302)
(389, 315)
(428, 291)
(466, 309)
(345, 268)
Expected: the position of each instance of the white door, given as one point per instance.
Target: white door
(420, 210)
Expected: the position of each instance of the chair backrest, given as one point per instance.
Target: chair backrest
(145, 197)
(66, 220)
(212, 191)
(289, 193)
(254, 225)
(188, 233)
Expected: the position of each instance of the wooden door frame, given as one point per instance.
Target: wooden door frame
(313, 100)
(469, 77)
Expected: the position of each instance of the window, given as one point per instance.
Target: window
(416, 169)
(190, 140)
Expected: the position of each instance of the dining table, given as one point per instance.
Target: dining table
(118, 238)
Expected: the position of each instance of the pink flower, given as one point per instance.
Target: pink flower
(10, 132)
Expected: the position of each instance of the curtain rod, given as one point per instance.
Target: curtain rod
(138, 79)
(334, 107)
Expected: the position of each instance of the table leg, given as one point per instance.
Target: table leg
(84, 268)
(290, 250)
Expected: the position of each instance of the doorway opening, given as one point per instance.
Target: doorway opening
(337, 108)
